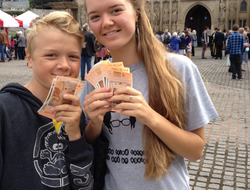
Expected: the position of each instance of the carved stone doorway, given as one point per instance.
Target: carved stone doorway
(197, 18)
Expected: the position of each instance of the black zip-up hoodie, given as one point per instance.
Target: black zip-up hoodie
(32, 156)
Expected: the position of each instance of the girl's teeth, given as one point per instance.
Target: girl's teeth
(110, 33)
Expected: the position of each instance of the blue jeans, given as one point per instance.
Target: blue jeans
(85, 60)
(3, 52)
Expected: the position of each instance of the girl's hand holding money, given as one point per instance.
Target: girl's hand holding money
(133, 104)
(95, 106)
(70, 115)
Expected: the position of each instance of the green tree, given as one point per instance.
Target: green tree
(32, 4)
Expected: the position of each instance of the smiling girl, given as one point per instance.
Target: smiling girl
(167, 108)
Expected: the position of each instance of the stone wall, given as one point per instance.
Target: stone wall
(171, 14)
(41, 12)
(82, 16)
(14, 6)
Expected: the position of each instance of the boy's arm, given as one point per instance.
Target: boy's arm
(1, 154)
(79, 158)
(100, 150)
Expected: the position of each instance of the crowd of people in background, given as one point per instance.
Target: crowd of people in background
(238, 49)
(14, 47)
(181, 42)
(184, 43)
(235, 42)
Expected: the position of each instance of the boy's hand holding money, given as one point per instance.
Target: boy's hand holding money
(70, 115)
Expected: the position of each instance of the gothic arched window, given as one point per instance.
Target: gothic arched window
(243, 6)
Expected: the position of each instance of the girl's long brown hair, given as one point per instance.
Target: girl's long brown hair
(165, 94)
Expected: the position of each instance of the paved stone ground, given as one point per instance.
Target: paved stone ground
(225, 164)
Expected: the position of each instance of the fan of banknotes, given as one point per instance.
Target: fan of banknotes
(60, 86)
(113, 75)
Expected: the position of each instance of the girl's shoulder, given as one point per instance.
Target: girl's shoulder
(183, 65)
(180, 61)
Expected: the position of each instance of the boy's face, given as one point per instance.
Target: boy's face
(54, 53)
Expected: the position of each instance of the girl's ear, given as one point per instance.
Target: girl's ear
(29, 59)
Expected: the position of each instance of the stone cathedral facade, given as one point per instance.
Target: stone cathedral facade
(196, 14)
(177, 14)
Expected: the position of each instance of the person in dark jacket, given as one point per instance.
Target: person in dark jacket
(16, 45)
(205, 41)
(212, 43)
(235, 46)
(21, 44)
(219, 40)
(182, 45)
(88, 50)
(32, 154)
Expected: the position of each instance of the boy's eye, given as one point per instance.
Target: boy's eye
(50, 55)
(74, 57)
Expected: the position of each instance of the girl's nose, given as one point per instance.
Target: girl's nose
(107, 20)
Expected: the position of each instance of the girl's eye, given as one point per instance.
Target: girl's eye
(94, 17)
(116, 11)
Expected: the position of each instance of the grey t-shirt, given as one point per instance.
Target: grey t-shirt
(125, 158)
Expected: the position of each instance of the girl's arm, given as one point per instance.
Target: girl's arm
(188, 144)
(95, 106)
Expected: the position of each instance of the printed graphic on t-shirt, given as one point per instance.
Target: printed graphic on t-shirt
(112, 124)
(50, 161)
(124, 156)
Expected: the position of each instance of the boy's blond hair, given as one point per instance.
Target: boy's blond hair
(60, 20)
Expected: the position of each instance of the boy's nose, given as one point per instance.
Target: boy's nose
(64, 63)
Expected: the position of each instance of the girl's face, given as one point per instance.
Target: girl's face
(113, 22)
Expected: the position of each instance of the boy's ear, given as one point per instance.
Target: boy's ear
(29, 59)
